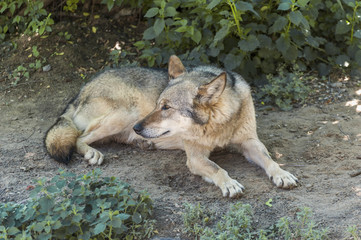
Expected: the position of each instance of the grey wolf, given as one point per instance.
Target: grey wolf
(196, 109)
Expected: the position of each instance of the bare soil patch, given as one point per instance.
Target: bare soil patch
(320, 143)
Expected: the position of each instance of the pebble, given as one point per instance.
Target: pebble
(47, 68)
(336, 84)
(325, 92)
(24, 169)
(329, 92)
(164, 238)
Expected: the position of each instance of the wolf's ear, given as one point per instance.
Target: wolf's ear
(210, 92)
(175, 67)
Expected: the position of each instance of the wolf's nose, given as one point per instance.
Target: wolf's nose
(138, 128)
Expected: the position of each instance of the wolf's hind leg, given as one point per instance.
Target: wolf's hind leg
(98, 129)
(254, 150)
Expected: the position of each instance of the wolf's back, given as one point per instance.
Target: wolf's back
(60, 140)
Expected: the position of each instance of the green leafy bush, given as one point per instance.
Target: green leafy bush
(238, 224)
(71, 5)
(285, 89)
(22, 16)
(196, 218)
(21, 72)
(354, 232)
(303, 228)
(254, 37)
(17, 74)
(78, 207)
(132, 3)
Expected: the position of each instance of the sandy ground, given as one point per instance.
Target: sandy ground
(320, 144)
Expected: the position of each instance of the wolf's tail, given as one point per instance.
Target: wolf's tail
(60, 140)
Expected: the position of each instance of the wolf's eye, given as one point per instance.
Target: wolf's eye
(165, 107)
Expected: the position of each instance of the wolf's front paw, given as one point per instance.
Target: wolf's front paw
(94, 156)
(144, 144)
(283, 179)
(229, 186)
(232, 188)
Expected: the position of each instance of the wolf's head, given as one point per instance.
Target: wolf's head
(188, 100)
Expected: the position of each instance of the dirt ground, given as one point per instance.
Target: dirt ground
(320, 143)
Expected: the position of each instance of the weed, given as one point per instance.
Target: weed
(33, 19)
(354, 232)
(35, 51)
(285, 89)
(22, 72)
(36, 65)
(269, 202)
(119, 57)
(237, 223)
(38, 62)
(116, 55)
(19, 73)
(71, 5)
(196, 218)
(66, 35)
(302, 228)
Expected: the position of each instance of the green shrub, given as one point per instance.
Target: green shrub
(132, 3)
(254, 37)
(78, 207)
(71, 5)
(285, 89)
(33, 19)
(21, 72)
(238, 224)
(354, 232)
(196, 218)
(17, 74)
(303, 228)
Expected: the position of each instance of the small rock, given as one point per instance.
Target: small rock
(24, 169)
(336, 84)
(164, 238)
(47, 68)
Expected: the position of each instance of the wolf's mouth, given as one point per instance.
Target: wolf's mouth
(166, 132)
(154, 136)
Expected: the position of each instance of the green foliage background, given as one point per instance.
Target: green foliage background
(264, 40)
(252, 37)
